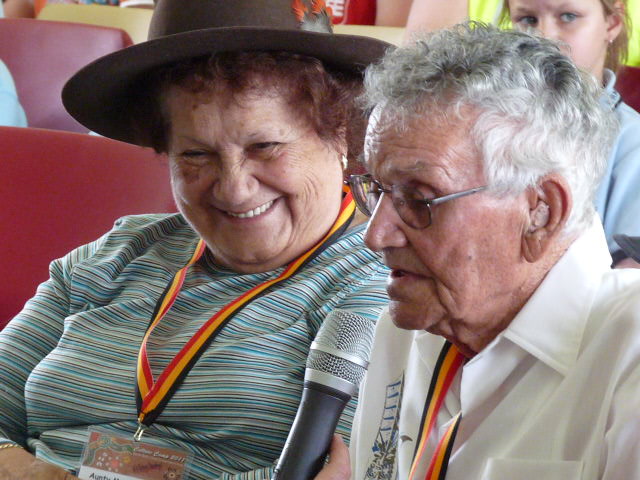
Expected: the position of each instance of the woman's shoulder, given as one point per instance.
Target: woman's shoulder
(166, 236)
(160, 222)
(351, 246)
(149, 229)
(350, 265)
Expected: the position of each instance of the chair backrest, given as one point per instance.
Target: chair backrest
(134, 21)
(61, 190)
(628, 85)
(43, 55)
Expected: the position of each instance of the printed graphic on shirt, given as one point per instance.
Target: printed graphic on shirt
(382, 465)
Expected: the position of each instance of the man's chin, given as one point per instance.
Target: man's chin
(408, 316)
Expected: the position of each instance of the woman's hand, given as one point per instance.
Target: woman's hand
(18, 464)
(338, 467)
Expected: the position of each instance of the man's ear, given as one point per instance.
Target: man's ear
(549, 209)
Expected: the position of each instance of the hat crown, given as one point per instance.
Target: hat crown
(102, 94)
(179, 16)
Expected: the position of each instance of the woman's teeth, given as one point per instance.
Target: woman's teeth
(253, 213)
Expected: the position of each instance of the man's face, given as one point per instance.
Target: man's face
(463, 276)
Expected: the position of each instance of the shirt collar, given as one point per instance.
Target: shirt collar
(551, 324)
(610, 97)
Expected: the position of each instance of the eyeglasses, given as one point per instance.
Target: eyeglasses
(412, 207)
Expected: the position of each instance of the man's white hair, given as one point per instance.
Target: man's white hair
(536, 112)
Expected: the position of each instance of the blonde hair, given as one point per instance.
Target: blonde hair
(618, 50)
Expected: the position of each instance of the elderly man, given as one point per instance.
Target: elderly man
(510, 349)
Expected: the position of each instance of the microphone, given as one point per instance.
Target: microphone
(337, 361)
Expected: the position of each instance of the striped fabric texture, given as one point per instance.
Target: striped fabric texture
(68, 360)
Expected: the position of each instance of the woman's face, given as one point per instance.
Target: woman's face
(580, 24)
(251, 177)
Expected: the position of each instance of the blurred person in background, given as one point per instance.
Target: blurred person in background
(254, 107)
(595, 34)
(388, 13)
(18, 8)
(430, 15)
(11, 112)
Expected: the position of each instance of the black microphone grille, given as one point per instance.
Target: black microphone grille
(340, 352)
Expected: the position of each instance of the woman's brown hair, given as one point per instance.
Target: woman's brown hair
(323, 98)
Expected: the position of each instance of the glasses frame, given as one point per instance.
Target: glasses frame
(353, 180)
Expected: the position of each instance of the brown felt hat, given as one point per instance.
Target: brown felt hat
(98, 95)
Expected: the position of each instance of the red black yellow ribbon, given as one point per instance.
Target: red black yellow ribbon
(152, 396)
(449, 362)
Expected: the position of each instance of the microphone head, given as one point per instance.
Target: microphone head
(339, 355)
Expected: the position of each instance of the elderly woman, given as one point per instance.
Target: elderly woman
(510, 348)
(191, 331)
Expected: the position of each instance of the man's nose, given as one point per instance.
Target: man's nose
(385, 227)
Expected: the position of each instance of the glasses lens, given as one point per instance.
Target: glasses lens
(411, 206)
(366, 193)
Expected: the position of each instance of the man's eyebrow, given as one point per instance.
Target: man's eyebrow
(415, 166)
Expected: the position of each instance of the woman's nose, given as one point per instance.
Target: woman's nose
(235, 180)
(385, 227)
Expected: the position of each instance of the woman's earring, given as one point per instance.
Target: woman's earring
(344, 162)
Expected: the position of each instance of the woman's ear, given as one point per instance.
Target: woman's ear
(549, 209)
(615, 21)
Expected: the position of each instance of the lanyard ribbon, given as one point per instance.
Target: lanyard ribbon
(449, 362)
(152, 396)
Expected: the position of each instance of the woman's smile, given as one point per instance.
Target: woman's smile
(253, 212)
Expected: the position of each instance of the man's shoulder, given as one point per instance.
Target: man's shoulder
(618, 297)
(614, 317)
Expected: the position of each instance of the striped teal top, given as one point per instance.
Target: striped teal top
(68, 360)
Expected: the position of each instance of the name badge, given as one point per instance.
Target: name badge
(112, 457)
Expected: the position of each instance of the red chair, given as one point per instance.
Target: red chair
(61, 190)
(42, 55)
(628, 85)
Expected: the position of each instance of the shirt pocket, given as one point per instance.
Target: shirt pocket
(510, 469)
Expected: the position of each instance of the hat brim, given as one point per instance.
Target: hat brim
(98, 95)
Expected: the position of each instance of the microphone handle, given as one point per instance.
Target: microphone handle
(307, 445)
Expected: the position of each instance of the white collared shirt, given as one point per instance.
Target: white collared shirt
(556, 396)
